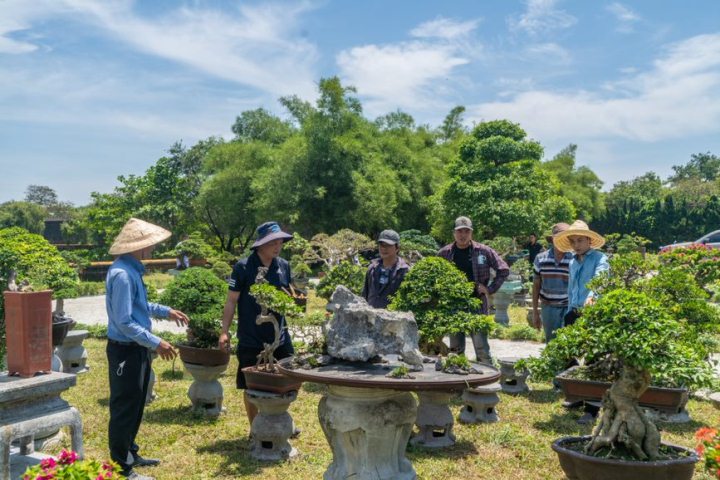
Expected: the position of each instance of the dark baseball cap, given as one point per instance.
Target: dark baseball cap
(389, 236)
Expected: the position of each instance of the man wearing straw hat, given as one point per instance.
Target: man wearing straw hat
(130, 341)
(586, 264)
(252, 337)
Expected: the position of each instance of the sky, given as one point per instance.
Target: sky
(93, 89)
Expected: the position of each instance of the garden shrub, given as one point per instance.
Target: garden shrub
(700, 261)
(442, 300)
(347, 274)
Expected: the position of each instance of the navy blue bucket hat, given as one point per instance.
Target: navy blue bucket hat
(269, 231)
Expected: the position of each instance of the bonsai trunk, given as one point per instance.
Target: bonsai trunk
(622, 421)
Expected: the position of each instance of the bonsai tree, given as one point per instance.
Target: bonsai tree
(347, 274)
(442, 300)
(273, 302)
(201, 295)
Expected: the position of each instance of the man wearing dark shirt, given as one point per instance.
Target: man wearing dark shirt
(533, 248)
(385, 274)
(476, 261)
(266, 251)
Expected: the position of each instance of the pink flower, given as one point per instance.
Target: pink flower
(48, 463)
(68, 457)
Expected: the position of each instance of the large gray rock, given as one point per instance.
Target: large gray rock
(359, 332)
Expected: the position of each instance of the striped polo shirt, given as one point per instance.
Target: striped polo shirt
(554, 277)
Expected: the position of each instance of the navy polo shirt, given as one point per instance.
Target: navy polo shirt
(243, 276)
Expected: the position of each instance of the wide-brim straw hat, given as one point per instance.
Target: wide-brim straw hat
(581, 229)
(136, 235)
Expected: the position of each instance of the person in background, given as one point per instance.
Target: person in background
(182, 261)
(550, 286)
(131, 342)
(252, 337)
(476, 261)
(385, 274)
(533, 248)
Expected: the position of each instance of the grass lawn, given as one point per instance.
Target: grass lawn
(191, 447)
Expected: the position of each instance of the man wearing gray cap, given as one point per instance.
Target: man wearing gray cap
(476, 261)
(385, 274)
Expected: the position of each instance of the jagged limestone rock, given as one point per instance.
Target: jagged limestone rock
(359, 332)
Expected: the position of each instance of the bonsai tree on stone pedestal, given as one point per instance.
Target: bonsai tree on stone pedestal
(442, 300)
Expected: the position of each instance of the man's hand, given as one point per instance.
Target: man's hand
(537, 322)
(224, 341)
(482, 289)
(165, 350)
(180, 318)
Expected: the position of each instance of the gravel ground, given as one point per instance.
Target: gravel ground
(91, 311)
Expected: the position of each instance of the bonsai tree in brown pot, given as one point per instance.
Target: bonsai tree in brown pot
(274, 303)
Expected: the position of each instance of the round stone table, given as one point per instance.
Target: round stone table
(367, 417)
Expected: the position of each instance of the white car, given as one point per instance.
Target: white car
(712, 239)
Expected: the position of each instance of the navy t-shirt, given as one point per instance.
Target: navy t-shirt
(463, 261)
(243, 276)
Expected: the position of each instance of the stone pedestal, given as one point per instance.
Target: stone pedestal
(512, 380)
(72, 353)
(272, 427)
(368, 430)
(480, 403)
(434, 420)
(206, 393)
(57, 364)
(29, 406)
(501, 301)
(151, 395)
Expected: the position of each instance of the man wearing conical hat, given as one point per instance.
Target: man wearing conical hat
(586, 264)
(130, 340)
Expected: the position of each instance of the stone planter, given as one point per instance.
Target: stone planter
(578, 466)
(269, 381)
(72, 353)
(206, 393)
(272, 427)
(666, 400)
(434, 420)
(60, 329)
(28, 326)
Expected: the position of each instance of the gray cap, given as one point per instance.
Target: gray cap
(463, 222)
(389, 236)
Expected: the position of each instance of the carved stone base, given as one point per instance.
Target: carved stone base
(57, 365)
(512, 380)
(206, 393)
(272, 427)
(434, 420)
(480, 403)
(368, 431)
(72, 353)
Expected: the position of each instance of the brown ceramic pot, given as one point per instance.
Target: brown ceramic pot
(578, 466)
(28, 327)
(268, 381)
(209, 357)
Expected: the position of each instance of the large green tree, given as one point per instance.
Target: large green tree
(27, 215)
(498, 181)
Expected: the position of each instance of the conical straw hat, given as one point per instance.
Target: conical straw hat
(579, 228)
(136, 235)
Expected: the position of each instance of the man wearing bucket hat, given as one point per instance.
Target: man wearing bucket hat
(550, 286)
(476, 261)
(385, 274)
(265, 253)
(130, 340)
(586, 264)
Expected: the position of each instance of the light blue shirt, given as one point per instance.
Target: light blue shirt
(581, 273)
(127, 307)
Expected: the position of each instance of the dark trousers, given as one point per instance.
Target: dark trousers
(129, 372)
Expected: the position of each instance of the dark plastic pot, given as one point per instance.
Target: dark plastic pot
(60, 330)
(579, 466)
(269, 382)
(209, 357)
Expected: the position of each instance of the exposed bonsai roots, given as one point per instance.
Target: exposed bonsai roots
(623, 422)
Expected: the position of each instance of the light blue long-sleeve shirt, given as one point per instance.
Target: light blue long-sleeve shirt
(581, 273)
(128, 310)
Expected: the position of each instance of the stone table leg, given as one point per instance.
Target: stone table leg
(480, 403)
(368, 431)
(434, 420)
(272, 427)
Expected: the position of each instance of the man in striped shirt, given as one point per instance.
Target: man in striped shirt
(550, 286)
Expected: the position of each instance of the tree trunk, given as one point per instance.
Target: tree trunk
(622, 422)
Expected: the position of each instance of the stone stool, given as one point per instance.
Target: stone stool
(434, 420)
(206, 393)
(72, 353)
(480, 403)
(511, 380)
(501, 302)
(272, 427)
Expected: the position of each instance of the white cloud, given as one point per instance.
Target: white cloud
(541, 16)
(624, 15)
(444, 28)
(549, 53)
(676, 98)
